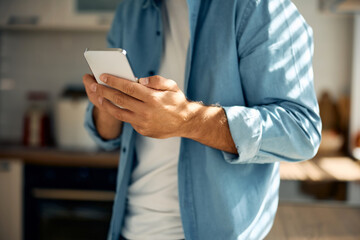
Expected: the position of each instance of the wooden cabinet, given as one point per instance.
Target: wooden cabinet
(11, 184)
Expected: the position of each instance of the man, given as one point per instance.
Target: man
(200, 153)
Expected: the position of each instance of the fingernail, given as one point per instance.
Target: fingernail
(93, 87)
(144, 81)
(104, 79)
(100, 99)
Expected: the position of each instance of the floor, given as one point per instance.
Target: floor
(313, 221)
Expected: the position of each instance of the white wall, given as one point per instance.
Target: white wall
(39, 60)
(355, 97)
(333, 35)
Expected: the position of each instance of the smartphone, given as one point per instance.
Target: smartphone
(111, 61)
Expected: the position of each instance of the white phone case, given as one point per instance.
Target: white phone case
(111, 61)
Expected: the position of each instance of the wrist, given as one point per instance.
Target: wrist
(101, 118)
(194, 112)
(201, 120)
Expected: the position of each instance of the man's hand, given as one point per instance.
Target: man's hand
(107, 126)
(157, 108)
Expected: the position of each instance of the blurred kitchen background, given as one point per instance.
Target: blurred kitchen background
(56, 184)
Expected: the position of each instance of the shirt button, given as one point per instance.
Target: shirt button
(124, 149)
(158, 33)
(151, 73)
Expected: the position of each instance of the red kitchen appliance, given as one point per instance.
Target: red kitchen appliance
(36, 121)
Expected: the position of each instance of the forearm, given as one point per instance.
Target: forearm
(208, 125)
(107, 126)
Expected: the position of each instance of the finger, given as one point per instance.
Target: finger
(89, 83)
(88, 80)
(159, 83)
(123, 115)
(119, 98)
(128, 87)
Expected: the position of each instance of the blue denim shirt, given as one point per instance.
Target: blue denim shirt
(253, 58)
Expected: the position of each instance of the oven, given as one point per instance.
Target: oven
(67, 202)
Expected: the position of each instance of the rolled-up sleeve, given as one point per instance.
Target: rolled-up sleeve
(91, 129)
(280, 121)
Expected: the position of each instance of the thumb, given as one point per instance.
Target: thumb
(159, 83)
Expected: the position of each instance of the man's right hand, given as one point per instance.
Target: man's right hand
(107, 126)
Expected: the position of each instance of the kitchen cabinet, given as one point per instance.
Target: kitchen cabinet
(63, 202)
(66, 193)
(11, 185)
(53, 14)
(55, 187)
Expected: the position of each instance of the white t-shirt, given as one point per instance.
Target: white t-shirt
(153, 210)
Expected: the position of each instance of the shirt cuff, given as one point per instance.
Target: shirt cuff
(246, 131)
(89, 124)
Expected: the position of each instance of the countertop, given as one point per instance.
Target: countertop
(322, 168)
(316, 221)
(60, 157)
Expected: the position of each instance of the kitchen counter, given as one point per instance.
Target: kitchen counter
(60, 157)
(293, 221)
(320, 169)
(314, 221)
